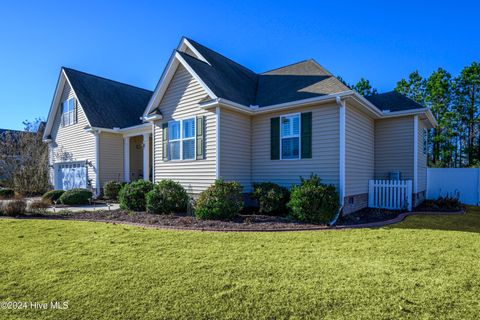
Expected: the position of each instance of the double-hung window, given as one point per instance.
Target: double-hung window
(181, 139)
(290, 136)
(68, 112)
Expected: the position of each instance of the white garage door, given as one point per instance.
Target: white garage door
(71, 175)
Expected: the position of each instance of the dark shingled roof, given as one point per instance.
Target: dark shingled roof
(230, 80)
(108, 103)
(4, 131)
(393, 101)
(13, 134)
(302, 80)
(298, 81)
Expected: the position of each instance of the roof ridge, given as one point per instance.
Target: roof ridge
(318, 65)
(223, 56)
(103, 78)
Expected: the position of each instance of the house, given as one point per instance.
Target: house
(95, 133)
(210, 117)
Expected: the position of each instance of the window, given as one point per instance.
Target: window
(290, 137)
(188, 136)
(181, 139)
(425, 141)
(68, 112)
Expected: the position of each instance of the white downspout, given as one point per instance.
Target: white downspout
(153, 152)
(217, 156)
(415, 155)
(97, 162)
(341, 105)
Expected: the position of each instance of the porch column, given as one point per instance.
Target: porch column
(146, 156)
(126, 159)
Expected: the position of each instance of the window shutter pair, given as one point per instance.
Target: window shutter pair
(199, 139)
(305, 136)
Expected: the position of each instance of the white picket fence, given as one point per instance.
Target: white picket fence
(390, 194)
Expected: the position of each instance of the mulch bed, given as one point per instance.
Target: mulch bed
(365, 218)
(368, 216)
(187, 222)
(426, 207)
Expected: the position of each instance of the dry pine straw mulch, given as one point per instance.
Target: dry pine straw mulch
(243, 222)
(184, 221)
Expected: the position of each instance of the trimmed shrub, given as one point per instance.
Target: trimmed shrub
(111, 189)
(446, 203)
(6, 193)
(313, 202)
(53, 195)
(76, 197)
(272, 198)
(133, 195)
(222, 200)
(39, 206)
(14, 207)
(166, 197)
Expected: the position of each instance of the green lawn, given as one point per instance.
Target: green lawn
(427, 267)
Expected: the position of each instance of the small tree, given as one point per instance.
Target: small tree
(24, 160)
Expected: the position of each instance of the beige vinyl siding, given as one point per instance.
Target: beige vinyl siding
(325, 149)
(72, 143)
(422, 160)
(111, 157)
(181, 101)
(235, 148)
(394, 147)
(359, 151)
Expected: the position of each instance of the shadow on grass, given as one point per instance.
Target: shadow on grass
(468, 222)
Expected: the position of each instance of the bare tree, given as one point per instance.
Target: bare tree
(24, 160)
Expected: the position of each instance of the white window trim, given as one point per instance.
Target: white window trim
(292, 136)
(70, 113)
(182, 139)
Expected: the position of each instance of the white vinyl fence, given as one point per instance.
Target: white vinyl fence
(390, 194)
(458, 182)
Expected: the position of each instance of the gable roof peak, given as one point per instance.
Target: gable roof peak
(67, 69)
(214, 55)
(311, 67)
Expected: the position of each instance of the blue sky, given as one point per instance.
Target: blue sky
(132, 41)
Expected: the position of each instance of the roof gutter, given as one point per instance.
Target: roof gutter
(151, 118)
(282, 106)
(428, 113)
(117, 130)
(350, 94)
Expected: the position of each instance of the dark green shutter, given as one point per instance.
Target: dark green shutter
(306, 129)
(75, 110)
(165, 141)
(275, 138)
(62, 123)
(200, 138)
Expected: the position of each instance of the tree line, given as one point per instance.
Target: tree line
(455, 103)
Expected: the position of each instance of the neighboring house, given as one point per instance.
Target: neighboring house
(211, 117)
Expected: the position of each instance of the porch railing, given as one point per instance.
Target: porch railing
(390, 194)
